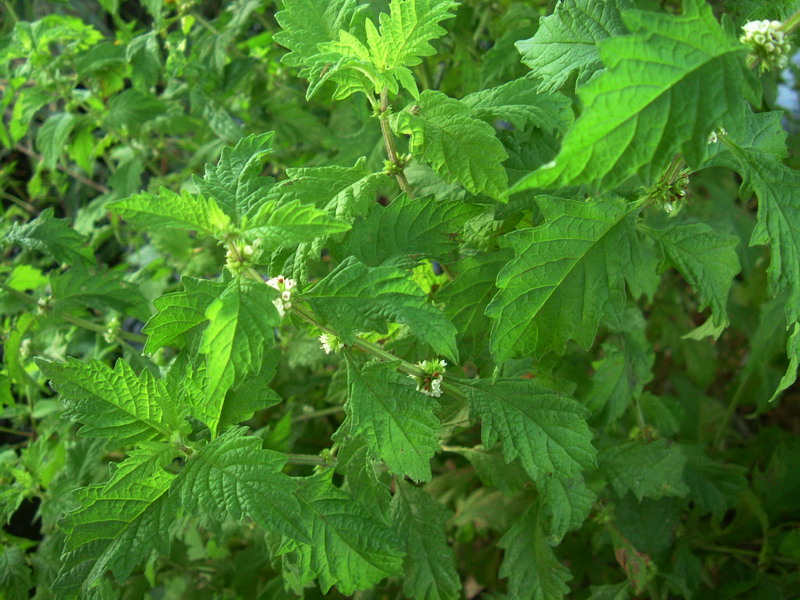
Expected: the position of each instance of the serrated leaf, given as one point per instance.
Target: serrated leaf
(532, 569)
(465, 297)
(715, 486)
(430, 564)
(131, 108)
(168, 210)
(574, 264)
(459, 147)
(97, 289)
(491, 468)
(235, 182)
(180, 312)
(253, 394)
(761, 132)
(519, 103)
(240, 327)
(565, 505)
(567, 41)
(112, 403)
(646, 469)
(15, 574)
(398, 422)
(51, 139)
(793, 352)
(407, 231)
(635, 119)
(706, 259)
(118, 523)
(350, 549)
(52, 237)
(545, 429)
(286, 224)
(354, 297)
(234, 476)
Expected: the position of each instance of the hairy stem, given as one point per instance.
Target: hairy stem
(391, 145)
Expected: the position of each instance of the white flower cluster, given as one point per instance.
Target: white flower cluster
(768, 42)
(430, 383)
(285, 286)
(330, 343)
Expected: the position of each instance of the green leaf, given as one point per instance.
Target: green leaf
(647, 469)
(545, 429)
(144, 55)
(406, 32)
(252, 395)
(15, 574)
(761, 132)
(459, 147)
(565, 505)
(285, 224)
(407, 231)
(519, 103)
(52, 237)
(715, 486)
(532, 569)
(97, 289)
(235, 183)
(349, 549)
(168, 210)
(131, 109)
(706, 259)
(574, 264)
(112, 403)
(233, 476)
(180, 312)
(28, 103)
(635, 120)
(567, 41)
(51, 139)
(119, 522)
(466, 297)
(430, 564)
(240, 326)
(398, 422)
(354, 297)
(793, 352)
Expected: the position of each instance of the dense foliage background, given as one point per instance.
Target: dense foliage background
(619, 416)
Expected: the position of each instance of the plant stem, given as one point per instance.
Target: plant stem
(742, 552)
(16, 432)
(74, 174)
(391, 146)
(318, 413)
(790, 24)
(308, 459)
(719, 438)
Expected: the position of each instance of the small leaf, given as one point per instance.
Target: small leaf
(52, 237)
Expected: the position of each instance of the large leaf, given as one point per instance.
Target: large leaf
(277, 225)
(636, 118)
(566, 276)
(355, 297)
(233, 476)
(567, 41)
(168, 210)
(398, 422)
(350, 548)
(112, 403)
(235, 183)
(407, 231)
(458, 146)
(430, 564)
(646, 469)
(239, 329)
(546, 430)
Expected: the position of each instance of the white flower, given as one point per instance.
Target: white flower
(330, 343)
(285, 286)
(430, 383)
(767, 42)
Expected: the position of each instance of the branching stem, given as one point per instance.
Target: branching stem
(391, 145)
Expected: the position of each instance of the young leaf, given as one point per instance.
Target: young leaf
(350, 548)
(113, 404)
(355, 297)
(566, 41)
(533, 571)
(647, 469)
(119, 522)
(520, 104)
(706, 259)
(240, 326)
(234, 476)
(407, 231)
(236, 182)
(635, 118)
(398, 422)
(52, 137)
(574, 264)
(545, 429)
(430, 565)
(52, 237)
(290, 223)
(169, 210)
(179, 312)
(459, 147)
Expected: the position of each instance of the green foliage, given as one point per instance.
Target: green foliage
(287, 313)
